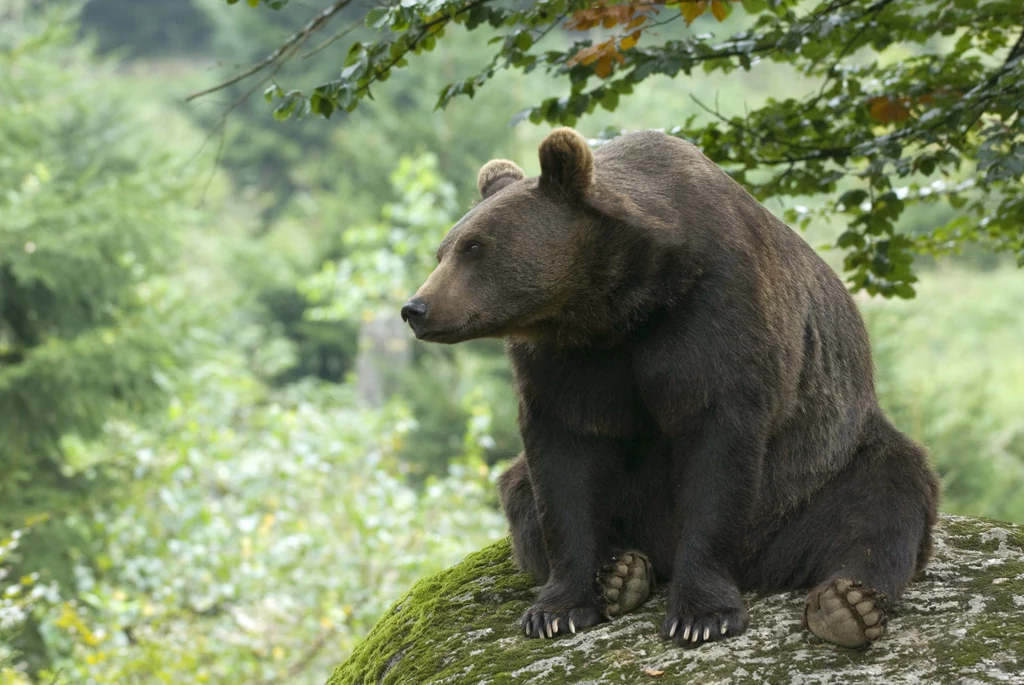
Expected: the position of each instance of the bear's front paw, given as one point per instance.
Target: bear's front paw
(546, 621)
(694, 629)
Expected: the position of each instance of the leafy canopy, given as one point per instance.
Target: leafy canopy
(909, 102)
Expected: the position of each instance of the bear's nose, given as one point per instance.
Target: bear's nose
(414, 309)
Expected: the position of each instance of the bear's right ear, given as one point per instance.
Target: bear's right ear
(566, 162)
(497, 174)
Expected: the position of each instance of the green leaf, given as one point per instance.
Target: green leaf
(904, 290)
(850, 239)
(377, 17)
(524, 40)
(610, 99)
(852, 199)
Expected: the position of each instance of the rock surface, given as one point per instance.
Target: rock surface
(960, 621)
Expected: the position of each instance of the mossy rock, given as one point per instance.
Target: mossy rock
(961, 620)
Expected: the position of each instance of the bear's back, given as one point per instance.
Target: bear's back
(652, 168)
(676, 187)
(758, 263)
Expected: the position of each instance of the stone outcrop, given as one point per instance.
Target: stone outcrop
(960, 621)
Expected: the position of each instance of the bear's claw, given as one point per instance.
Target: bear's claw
(693, 630)
(846, 613)
(546, 623)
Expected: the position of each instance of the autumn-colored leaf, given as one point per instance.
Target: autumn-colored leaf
(591, 58)
(594, 53)
(691, 9)
(586, 56)
(580, 22)
(583, 20)
(719, 9)
(888, 110)
(940, 94)
(633, 14)
(637, 21)
(629, 41)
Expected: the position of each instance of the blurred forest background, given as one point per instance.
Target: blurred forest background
(206, 474)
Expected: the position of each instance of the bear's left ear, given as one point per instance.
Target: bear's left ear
(566, 163)
(497, 174)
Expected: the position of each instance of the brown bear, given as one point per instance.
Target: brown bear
(696, 396)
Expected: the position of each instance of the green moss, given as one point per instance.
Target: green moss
(411, 631)
(987, 639)
(967, 534)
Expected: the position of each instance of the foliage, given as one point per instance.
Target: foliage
(18, 597)
(909, 103)
(96, 310)
(88, 320)
(264, 534)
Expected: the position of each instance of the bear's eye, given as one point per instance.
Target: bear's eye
(471, 247)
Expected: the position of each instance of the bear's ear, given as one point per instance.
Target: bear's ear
(497, 174)
(566, 163)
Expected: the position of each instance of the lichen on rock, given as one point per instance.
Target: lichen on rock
(961, 620)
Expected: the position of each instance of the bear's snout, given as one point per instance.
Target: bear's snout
(413, 311)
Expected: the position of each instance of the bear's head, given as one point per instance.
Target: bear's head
(519, 257)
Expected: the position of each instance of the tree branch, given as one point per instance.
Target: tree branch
(330, 41)
(1017, 50)
(297, 39)
(810, 153)
(423, 33)
(875, 8)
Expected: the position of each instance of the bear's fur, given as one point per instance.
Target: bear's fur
(694, 383)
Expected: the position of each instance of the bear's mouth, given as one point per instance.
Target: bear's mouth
(448, 336)
(445, 337)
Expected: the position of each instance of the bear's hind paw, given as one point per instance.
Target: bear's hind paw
(846, 613)
(625, 583)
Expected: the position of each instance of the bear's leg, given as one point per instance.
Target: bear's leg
(624, 582)
(521, 511)
(860, 540)
(715, 471)
(575, 479)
